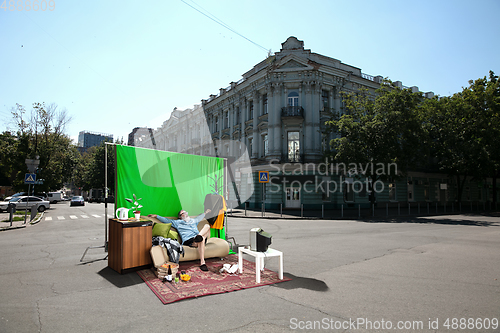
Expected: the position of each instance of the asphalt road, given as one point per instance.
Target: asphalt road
(347, 276)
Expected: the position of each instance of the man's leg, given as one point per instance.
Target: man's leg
(201, 245)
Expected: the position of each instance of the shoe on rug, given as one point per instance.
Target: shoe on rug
(204, 268)
(198, 238)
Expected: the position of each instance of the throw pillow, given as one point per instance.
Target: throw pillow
(172, 234)
(161, 229)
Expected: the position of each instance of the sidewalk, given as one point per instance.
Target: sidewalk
(357, 213)
(18, 224)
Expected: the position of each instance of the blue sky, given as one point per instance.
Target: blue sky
(115, 65)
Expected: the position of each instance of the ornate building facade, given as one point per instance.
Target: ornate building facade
(271, 121)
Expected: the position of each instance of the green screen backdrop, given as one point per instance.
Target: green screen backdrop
(167, 182)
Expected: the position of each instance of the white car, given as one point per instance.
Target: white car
(22, 202)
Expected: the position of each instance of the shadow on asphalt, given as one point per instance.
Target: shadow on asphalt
(302, 282)
(120, 280)
(437, 220)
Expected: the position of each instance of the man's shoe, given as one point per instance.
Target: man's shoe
(204, 268)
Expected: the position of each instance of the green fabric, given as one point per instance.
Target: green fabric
(166, 181)
(161, 229)
(173, 235)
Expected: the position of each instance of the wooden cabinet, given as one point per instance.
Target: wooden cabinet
(129, 244)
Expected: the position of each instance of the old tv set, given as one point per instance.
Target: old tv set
(259, 240)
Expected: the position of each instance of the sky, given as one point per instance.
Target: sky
(116, 65)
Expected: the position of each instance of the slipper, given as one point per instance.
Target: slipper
(204, 268)
(198, 238)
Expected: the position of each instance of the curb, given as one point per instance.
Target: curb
(35, 221)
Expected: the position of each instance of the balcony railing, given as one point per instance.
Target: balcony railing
(292, 158)
(292, 111)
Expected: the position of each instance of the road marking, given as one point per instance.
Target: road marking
(73, 217)
(85, 217)
(48, 218)
(96, 215)
(61, 218)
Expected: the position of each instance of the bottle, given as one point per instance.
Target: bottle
(169, 274)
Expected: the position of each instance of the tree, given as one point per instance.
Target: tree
(379, 130)
(40, 134)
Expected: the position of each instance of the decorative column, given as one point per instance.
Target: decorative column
(308, 119)
(255, 125)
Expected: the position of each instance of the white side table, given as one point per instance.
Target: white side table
(259, 260)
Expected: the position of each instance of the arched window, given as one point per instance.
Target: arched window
(293, 99)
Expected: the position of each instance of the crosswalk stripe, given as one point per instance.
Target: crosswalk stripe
(48, 218)
(96, 215)
(61, 218)
(73, 217)
(85, 217)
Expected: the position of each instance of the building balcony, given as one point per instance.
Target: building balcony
(292, 111)
(292, 158)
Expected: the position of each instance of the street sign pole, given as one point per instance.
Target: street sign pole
(27, 204)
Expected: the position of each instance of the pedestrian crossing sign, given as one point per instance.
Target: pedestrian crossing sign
(263, 176)
(30, 178)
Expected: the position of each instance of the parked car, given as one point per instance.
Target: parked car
(77, 201)
(54, 197)
(25, 202)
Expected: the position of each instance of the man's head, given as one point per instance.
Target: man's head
(183, 214)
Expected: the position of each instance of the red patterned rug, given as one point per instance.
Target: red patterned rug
(208, 283)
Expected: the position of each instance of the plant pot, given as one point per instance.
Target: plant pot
(137, 215)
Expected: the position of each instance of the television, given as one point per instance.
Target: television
(259, 240)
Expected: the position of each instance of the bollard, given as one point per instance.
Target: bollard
(409, 209)
(418, 205)
(245, 209)
(281, 210)
(445, 207)
(452, 208)
(373, 210)
(301, 210)
(342, 210)
(359, 210)
(436, 207)
(323, 211)
(428, 209)
(387, 209)
(34, 211)
(399, 209)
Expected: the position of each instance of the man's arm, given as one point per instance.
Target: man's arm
(161, 218)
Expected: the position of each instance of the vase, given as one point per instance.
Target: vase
(137, 215)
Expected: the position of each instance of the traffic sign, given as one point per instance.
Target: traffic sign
(263, 176)
(30, 178)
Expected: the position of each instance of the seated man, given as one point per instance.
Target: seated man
(188, 229)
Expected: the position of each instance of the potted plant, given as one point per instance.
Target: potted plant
(135, 206)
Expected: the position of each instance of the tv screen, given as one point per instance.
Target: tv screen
(263, 240)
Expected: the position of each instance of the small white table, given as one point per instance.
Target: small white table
(259, 260)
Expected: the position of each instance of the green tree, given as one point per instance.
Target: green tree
(380, 129)
(40, 134)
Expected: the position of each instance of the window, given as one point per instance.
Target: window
(226, 120)
(293, 147)
(325, 100)
(264, 104)
(237, 116)
(293, 99)
(250, 147)
(265, 145)
(216, 123)
(250, 110)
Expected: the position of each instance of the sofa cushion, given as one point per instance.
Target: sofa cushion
(161, 229)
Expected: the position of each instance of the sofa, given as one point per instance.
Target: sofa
(215, 247)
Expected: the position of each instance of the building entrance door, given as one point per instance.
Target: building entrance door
(292, 197)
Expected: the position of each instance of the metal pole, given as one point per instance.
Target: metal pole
(436, 207)
(301, 210)
(418, 208)
(281, 210)
(373, 210)
(359, 210)
(262, 209)
(342, 210)
(27, 204)
(409, 213)
(323, 211)
(245, 209)
(399, 209)
(386, 209)
(106, 198)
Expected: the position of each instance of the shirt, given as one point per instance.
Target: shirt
(187, 229)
